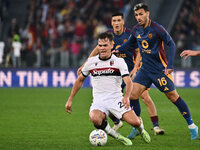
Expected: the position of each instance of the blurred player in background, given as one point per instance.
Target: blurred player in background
(121, 35)
(188, 53)
(107, 72)
(150, 36)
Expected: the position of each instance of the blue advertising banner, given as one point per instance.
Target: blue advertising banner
(66, 78)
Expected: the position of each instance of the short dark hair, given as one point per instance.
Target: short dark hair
(118, 14)
(105, 35)
(141, 6)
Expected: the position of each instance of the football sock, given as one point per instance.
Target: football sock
(115, 120)
(110, 131)
(141, 127)
(103, 125)
(192, 126)
(135, 105)
(184, 110)
(154, 120)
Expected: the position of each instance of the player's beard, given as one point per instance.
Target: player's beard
(143, 23)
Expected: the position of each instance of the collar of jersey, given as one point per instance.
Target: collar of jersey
(106, 58)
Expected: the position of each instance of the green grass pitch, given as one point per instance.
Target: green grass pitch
(35, 119)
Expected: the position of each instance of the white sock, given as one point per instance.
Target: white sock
(141, 127)
(110, 131)
(192, 126)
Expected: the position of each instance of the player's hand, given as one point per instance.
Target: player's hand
(187, 53)
(68, 105)
(79, 70)
(168, 71)
(125, 102)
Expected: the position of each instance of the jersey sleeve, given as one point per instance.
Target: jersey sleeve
(85, 70)
(123, 68)
(129, 45)
(170, 43)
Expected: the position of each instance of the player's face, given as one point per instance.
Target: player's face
(142, 17)
(117, 23)
(105, 47)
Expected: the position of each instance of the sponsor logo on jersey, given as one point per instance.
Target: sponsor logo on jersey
(105, 71)
(121, 55)
(145, 44)
(147, 51)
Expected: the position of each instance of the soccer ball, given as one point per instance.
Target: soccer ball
(98, 137)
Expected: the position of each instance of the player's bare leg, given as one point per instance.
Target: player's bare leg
(99, 120)
(152, 112)
(131, 118)
(184, 110)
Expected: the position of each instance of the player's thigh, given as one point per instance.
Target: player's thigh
(137, 90)
(131, 118)
(163, 82)
(98, 109)
(172, 95)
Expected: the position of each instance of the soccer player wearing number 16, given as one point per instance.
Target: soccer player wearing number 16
(150, 36)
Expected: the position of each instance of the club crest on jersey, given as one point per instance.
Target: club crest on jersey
(124, 40)
(111, 63)
(150, 35)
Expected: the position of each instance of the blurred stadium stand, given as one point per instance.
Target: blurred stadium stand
(61, 33)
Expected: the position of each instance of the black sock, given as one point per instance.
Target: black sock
(135, 105)
(103, 125)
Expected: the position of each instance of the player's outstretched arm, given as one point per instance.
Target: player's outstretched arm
(188, 53)
(94, 52)
(77, 85)
(127, 46)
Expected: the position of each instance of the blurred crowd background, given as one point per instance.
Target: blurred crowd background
(62, 33)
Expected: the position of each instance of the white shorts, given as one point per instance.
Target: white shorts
(113, 106)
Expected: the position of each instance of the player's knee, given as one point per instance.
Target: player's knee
(172, 96)
(136, 122)
(96, 120)
(96, 117)
(146, 101)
